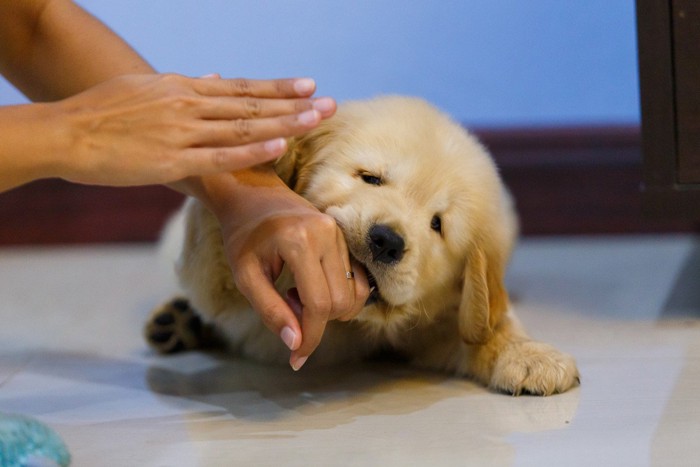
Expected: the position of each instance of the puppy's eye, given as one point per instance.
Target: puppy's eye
(371, 179)
(436, 224)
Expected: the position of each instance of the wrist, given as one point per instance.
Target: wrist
(34, 143)
(57, 157)
(239, 197)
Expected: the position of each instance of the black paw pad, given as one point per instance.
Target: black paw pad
(174, 327)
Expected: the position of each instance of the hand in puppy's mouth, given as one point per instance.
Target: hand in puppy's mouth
(374, 294)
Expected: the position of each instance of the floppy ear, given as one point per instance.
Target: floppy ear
(293, 167)
(484, 296)
(286, 166)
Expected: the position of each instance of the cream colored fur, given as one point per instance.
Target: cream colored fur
(444, 304)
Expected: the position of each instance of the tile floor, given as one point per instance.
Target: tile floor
(627, 308)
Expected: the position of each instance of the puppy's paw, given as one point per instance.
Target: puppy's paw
(534, 368)
(174, 327)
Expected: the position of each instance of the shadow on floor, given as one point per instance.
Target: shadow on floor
(683, 300)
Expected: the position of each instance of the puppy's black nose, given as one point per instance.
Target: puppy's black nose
(386, 245)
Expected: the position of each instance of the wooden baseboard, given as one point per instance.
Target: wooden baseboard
(566, 181)
(57, 212)
(577, 180)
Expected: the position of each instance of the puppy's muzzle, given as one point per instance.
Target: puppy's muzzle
(386, 245)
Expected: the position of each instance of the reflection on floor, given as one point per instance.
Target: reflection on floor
(71, 355)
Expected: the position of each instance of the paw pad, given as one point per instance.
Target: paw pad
(174, 327)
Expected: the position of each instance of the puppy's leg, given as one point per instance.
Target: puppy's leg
(509, 362)
(174, 327)
(513, 363)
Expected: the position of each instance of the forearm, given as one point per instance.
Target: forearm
(32, 136)
(52, 49)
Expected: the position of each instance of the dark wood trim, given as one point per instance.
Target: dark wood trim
(566, 181)
(577, 180)
(657, 92)
(668, 73)
(686, 60)
(57, 212)
(580, 145)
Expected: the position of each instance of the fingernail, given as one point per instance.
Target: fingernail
(309, 117)
(210, 75)
(298, 363)
(275, 146)
(324, 104)
(289, 338)
(304, 86)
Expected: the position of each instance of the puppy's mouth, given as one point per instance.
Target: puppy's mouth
(374, 293)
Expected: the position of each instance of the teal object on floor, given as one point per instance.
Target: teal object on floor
(26, 442)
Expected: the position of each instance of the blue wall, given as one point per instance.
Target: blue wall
(487, 62)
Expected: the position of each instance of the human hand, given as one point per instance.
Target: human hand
(285, 229)
(149, 129)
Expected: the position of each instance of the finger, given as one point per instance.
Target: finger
(315, 308)
(220, 133)
(336, 267)
(278, 88)
(231, 108)
(361, 290)
(274, 311)
(205, 161)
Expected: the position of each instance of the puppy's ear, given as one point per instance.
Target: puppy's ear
(294, 166)
(484, 296)
(286, 166)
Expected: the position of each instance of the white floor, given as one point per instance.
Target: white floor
(628, 309)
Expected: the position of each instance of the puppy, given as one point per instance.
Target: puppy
(421, 205)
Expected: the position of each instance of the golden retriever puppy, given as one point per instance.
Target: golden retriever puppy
(421, 205)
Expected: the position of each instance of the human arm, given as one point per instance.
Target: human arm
(104, 128)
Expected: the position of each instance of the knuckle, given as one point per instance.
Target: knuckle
(253, 107)
(180, 102)
(319, 307)
(166, 77)
(297, 236)
(242, 279)
(349, 316)
(220, 158)
(268, 312)
(326, 224)
(309, 233)
(171, 79)
(361, 292)
(280, 88)
(182, 134)
(342, 304)
(243, 129)
(241, 87)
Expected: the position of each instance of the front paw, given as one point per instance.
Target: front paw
(533, 368)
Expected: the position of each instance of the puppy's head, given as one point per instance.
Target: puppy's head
(421, 206)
